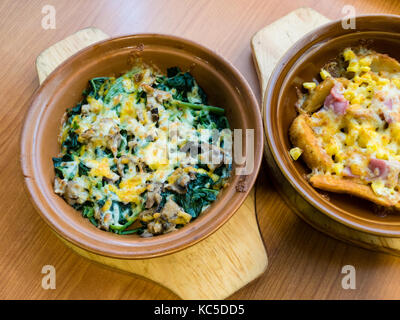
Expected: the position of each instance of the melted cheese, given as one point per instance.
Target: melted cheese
(370, 127)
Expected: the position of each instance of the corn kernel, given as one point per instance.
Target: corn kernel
(340, 156)
(366, 61)
(295, 153)
(357, 80)
(364, 138)
(365, 69)
(332, 148)
(351, 138)
(356, 169)
(353, 67)
(309, 85)
(348, 54)
(377, 186)
(324, 74)
(385, 140)
(395, 131)
(353, 86)
(337, 168)
(357, 100)
(382, 154)
(383, 81)
(366, 78)
(349, 95)
(396, 82)
(372, 146)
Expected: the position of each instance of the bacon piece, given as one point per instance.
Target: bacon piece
(379, 168)
(336, 101)
(336, 92)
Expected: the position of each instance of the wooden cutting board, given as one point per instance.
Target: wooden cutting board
(214, 268)
(268, 45)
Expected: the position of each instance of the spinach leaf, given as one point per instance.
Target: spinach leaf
(88, 211)
(71, 143)
(95, 85)
(197, 196)
(115, 89)
(65, 170)
(182, 82)
(83, 170)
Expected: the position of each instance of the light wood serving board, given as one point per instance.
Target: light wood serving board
(214, 268)
(268, 45)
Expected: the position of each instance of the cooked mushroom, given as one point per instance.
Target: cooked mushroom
(173, 213)
(87, 135)
(154, 196)
(179, 186)
(147, 215)
(154, 114)
(155, 227)
(59, 186)
(212, 156)
(75, 193)
(170, 210)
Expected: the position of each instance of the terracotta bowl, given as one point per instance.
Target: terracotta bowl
(301, 63)
(224, 86)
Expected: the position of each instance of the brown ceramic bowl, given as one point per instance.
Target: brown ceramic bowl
(302, 63)
(224, 86)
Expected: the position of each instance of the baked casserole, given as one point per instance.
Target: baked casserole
(143, 153)
(348, 127)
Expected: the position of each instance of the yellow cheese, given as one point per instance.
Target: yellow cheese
(100, 168)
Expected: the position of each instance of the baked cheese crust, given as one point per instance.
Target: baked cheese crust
(348, 128)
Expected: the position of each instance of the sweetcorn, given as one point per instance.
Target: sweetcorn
(309, 85)
(295, 153)
(356, 130)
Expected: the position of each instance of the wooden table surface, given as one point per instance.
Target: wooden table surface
(303, 263)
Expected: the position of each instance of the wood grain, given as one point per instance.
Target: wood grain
(50, 58)
(212, 269)
(271, 42)
(303, 263)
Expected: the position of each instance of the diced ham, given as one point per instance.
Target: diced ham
(336, 101)
(336, 92)
(380, 168)
(388, 103)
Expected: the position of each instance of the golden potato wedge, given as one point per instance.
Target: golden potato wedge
(349, 186)
(317, 96)
(384, 63)
(302, 136)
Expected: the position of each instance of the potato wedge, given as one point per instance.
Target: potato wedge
(302, 136)
(318, 95)
(348, 186)
(384, 63)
